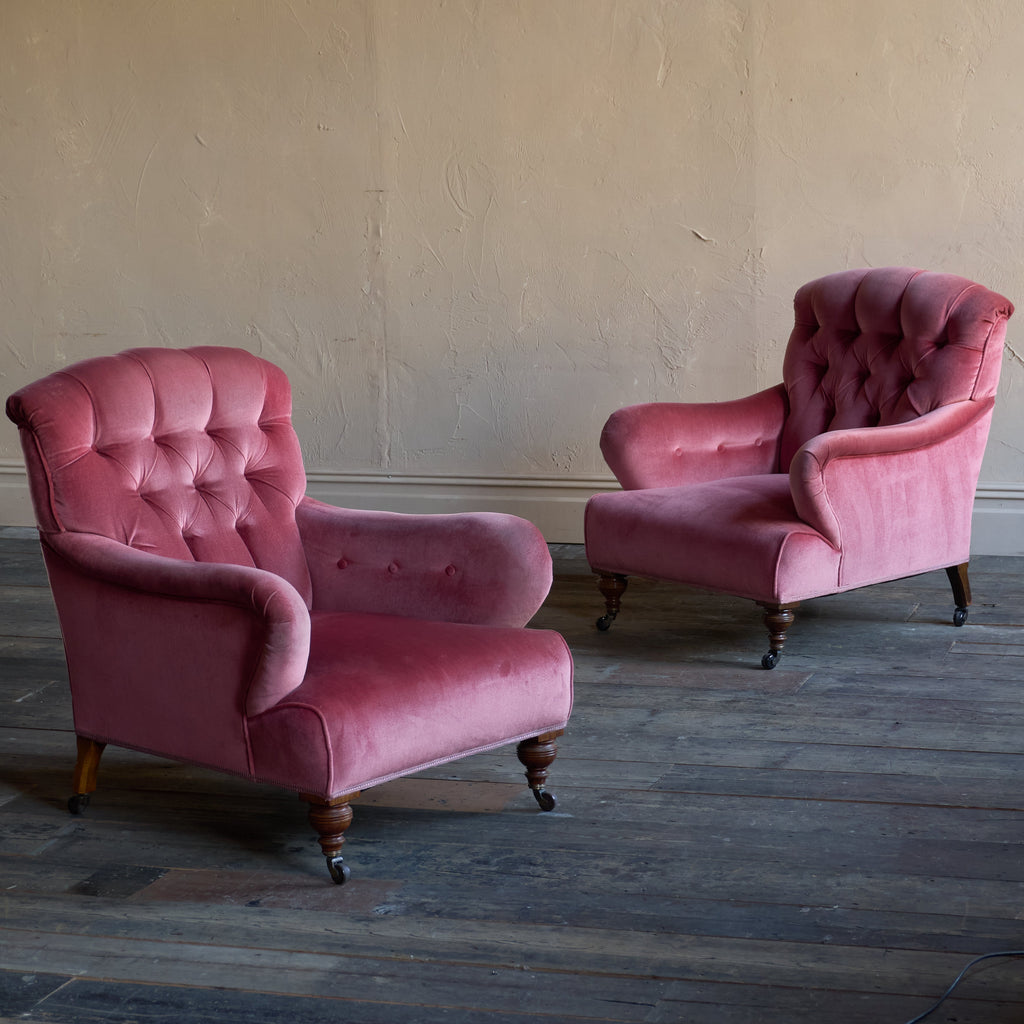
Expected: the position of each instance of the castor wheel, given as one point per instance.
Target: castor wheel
(545, 800)
(605, 623)
(78, 803)
(770, 660)
(339, 870)
(959, 616)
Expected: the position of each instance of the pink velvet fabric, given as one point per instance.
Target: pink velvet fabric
(894, 500)
(740, 535)
(481, 568)
(879, 347)
(169, 655)
(185, 560)
(185, 453)
(859, 467)
(385, 696)
(663, 444)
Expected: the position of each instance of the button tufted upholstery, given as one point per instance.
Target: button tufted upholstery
(184, 453)
(215, 614)
(877, 347)
(859, 467)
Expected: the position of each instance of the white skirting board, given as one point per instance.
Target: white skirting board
(997, 527)
(555, 505)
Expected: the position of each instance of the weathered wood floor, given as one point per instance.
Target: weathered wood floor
(831, 841)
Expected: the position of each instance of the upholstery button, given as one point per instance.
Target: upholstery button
(342, 563)
(449, 570)
(393, 567)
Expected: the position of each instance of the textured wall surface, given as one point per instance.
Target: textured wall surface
(469, 229)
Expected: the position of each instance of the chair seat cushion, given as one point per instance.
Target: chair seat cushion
(384, 696)
(740, 535)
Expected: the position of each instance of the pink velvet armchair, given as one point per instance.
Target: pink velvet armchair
(860, 467)
(214, 614)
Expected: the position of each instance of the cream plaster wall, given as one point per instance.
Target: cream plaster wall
(469, 229)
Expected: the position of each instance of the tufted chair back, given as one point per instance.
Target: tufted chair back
(884, 346)
(187, 453)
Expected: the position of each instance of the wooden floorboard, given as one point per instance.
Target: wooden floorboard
(830, 841)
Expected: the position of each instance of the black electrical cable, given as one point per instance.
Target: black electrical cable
(959, 978)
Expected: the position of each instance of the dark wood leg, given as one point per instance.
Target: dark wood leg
(961, 591)
(83, 780)
(612, 587)
(329, 819)
(778, 618)
(536, 755)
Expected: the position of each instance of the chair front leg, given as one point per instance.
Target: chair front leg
(612, 587)
(536, 755)
(330, 818)
(83, 780)
(778, 618)
(961, 591)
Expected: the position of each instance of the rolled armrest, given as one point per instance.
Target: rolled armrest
(207, 626)
(894, 489)
(665, 444)
(481, 567)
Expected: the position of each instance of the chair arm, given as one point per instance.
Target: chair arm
(215, 633)
(893, 490)
(481, 567)
(664, 444)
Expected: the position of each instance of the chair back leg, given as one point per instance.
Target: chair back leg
(961, 591)
(83, 780)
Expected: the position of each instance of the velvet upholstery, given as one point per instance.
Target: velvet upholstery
(214, 614)
(859, 467)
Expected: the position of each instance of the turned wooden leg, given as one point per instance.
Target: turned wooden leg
(329, 819)
(612, 587)
(83, 780)
(961, 591)
(778, 618)
(536, 755)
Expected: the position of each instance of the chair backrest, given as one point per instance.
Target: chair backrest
(883, 346)
(188, 453)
